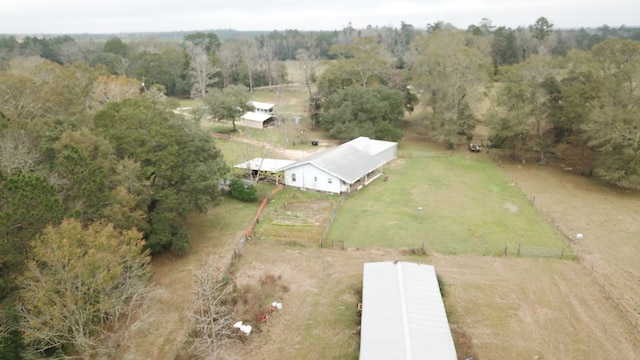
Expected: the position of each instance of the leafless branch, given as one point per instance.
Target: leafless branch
(212, 319)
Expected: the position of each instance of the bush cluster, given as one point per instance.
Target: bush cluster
(241, 191)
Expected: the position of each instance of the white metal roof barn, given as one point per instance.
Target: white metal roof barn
(403, 315)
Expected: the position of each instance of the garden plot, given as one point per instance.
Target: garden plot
(301, 221)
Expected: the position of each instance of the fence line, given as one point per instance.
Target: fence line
(618, 301)
(327, 225)
(248, 233)
(430, 154)
(338, 244)
(539, 251)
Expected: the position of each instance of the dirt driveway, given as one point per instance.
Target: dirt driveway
(290, 154)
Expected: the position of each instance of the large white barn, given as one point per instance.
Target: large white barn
(403, 315)
(343, 169)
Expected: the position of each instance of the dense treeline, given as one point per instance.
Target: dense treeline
(97, 171)
(251, 58)
(96, 174)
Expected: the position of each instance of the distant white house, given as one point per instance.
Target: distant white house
(262, 115)
(403, 315)
(262, 107)
(343, 169)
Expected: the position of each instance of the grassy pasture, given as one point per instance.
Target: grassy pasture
(468, 207)
(510, 307)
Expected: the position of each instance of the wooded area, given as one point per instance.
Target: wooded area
(93, 157)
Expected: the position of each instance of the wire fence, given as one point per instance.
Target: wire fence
(425, 154)
(332, 217)
(544, 252)
(611, 286)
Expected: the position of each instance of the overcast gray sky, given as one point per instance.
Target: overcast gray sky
(116, 16)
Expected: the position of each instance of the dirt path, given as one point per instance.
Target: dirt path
(289, 154)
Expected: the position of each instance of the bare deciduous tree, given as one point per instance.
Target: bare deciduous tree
(112, 88)
(267, 55)
(229, 61)
(5, 326)
(248, 49)
(307, 63)
(211, 318)
(201, 70)
(17, 152)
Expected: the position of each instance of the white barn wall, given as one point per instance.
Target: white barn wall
(312, 178)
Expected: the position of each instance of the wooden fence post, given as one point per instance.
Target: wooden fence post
(518, 249)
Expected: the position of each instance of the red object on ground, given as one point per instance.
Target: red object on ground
(263, 318)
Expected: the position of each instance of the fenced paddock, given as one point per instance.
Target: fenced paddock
(424, 154)
(297, 218)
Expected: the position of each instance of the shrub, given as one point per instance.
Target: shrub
(241, 191)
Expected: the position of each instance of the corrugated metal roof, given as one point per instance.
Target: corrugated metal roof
(403, 315)
(254, 116)
(345, 162)
(261, 105)
(371, 146)
(264, 164)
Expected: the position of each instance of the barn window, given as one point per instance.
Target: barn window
(315, 178)
(293, 177)
(330, 180)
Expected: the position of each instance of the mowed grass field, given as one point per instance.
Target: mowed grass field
(458, 203)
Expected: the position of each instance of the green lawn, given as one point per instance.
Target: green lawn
(467, 206)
